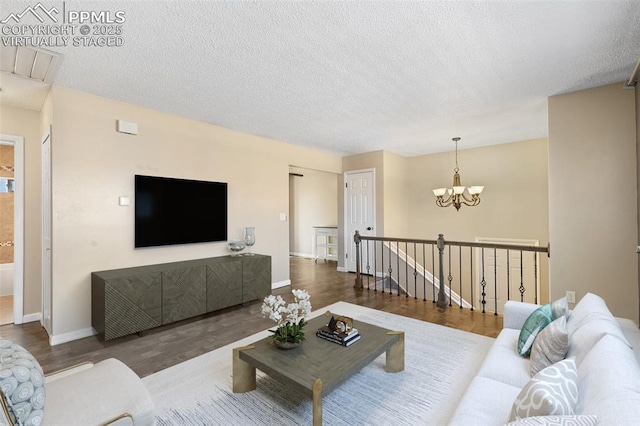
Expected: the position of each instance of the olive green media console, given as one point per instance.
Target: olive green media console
(132, 300)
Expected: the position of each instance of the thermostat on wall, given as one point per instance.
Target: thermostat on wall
(127, 127)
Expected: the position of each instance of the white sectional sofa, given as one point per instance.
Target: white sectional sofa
(607, 355)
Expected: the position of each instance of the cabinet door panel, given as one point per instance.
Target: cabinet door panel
(224, 285)
(184, 293)
(256, 282)
(132, 304)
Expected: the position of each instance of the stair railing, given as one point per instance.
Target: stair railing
(412, 270)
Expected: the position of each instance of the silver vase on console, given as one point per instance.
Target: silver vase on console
(249, 239)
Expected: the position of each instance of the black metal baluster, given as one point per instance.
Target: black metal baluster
(390, 270)
(415, 271)
(460, 279)
(471, 261)
(375, 265)
(483, 283)
(382, 267)
(397, 266)
(495, 281)
(368, 265)
(508, 276)
(450, 277)
(424, 274)
(535, 271)
(433, 272)
(522, 289)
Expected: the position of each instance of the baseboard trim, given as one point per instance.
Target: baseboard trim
(280, 284)
(305, 255)
(341, 269)
(72, 335)
(37, 316)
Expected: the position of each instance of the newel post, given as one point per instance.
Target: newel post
(441, 294)
(356, 239)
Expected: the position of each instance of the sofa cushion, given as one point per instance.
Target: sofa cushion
(22, 384)
(588, 323)
(486, 402)
(537, 321)
(550, 346)
(609, 383)
(575, 420)
(553, 391)
(503, 363)
(588, 305)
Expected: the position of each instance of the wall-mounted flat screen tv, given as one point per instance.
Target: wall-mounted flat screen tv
(179, 211)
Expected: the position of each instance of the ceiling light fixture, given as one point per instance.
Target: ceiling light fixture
(457, 196)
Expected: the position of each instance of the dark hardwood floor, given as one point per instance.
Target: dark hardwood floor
(169, 345)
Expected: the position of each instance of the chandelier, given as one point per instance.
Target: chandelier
(457, 196)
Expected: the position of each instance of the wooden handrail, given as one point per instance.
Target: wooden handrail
(537, 249)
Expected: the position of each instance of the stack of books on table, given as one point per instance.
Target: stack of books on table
(344, 339)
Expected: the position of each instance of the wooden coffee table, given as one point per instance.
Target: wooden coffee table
(317, 366)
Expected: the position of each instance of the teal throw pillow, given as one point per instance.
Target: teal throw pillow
(537, 321)
(22, 384)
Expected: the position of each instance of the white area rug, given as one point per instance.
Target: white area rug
(439, 364)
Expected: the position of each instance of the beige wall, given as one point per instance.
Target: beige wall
(25, 123)
(93, 165)
(514, 204)
(593, 214)
(313, 201)
(396, 196)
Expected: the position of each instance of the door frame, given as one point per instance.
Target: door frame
(46, 214)
(18, 225)
(348, 239)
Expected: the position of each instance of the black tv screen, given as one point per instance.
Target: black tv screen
(179, 211)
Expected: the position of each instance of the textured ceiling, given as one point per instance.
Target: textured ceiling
(352, 77)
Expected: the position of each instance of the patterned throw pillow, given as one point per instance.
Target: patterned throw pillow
(553, 391)
(550, 346)
(22, 384)
(577, 420)
(538, 320)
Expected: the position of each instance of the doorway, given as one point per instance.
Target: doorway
(11, 229)
(313, 203)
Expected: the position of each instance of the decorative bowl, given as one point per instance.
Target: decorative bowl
(235, 246)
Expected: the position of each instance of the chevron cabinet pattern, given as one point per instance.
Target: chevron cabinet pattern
(184, 293)
(133, 300)
(256, 273)
(132, 304)
(224, 285)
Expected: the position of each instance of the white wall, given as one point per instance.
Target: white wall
(593, 213)
(313, 201)
(93, 165)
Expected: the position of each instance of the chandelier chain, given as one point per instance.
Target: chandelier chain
(457, 169)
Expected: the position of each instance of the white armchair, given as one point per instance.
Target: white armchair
(107, 393)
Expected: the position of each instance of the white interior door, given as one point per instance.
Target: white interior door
(46, 232)
(499, 282)
(359, 196)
